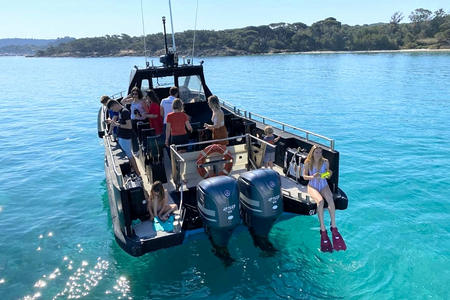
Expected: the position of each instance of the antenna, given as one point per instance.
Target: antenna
(143, 32)
(174, 48)
(168, 60)
(195, 30)
(165, 35)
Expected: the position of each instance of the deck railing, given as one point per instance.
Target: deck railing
(177, 159)
(107, 138)
(279, 125)
(117, 95)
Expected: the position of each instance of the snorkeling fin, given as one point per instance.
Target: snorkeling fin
(325, 243)
(338, 241)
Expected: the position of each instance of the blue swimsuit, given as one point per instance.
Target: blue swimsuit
(318, 183)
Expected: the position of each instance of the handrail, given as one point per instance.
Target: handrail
(180, 160)
(117, 95)
(307, 132)
(262, 141)
(107, 137)
(206, 142)
(119, 176)
(172, 149)
(248, 115)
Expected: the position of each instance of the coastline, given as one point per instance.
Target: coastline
(373, 51)
(220, 53)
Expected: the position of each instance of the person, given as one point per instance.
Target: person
(154, 115)
(104, 100)
(138, 111)
(124, 126)
(219, 131)
(112, 115)
(137, 104)
(166, 105)
(316, 169)
(177, 122)
(158, 204)
(269, 155)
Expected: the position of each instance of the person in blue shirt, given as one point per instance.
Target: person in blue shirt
(111, 115)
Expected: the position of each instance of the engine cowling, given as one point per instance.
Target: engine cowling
(261, 202)
(218, 205)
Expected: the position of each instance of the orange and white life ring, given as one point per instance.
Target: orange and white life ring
(204, 154)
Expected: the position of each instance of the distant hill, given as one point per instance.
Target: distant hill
(426, 29)
(16, 46)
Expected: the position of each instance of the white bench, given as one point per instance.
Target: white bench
(188, 170)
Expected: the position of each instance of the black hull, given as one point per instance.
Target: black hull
(137, 248)
(192, 220)
(132, 244)
(309, 208)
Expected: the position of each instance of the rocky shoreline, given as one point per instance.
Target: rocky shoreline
(234, 52)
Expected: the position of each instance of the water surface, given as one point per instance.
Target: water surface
(387, 112)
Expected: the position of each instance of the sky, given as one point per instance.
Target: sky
(48, 19)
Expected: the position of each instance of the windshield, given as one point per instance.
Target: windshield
(158, 82)
(191, 89)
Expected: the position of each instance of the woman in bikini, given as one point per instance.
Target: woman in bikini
(316, 170)
(158, 204)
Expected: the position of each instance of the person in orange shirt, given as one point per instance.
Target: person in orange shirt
(177, 122)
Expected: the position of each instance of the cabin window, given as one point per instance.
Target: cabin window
(191, 89)
(159, 82)
(145, 85)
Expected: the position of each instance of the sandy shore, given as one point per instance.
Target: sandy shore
(369, 51)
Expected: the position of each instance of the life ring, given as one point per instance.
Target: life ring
(204, 154)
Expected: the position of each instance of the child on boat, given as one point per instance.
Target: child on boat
(158, 204)
(111, 116)
(316, 171)
(269, 155)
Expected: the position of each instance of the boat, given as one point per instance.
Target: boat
(243, 194)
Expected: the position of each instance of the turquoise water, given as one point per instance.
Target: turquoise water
(389, 115)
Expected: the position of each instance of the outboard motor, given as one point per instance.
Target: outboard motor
(218, 205)
(261, 204)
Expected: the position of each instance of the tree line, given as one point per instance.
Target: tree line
(426, 29)
(18, 46)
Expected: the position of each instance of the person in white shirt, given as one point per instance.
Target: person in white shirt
(166, 103)
(166, 106)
